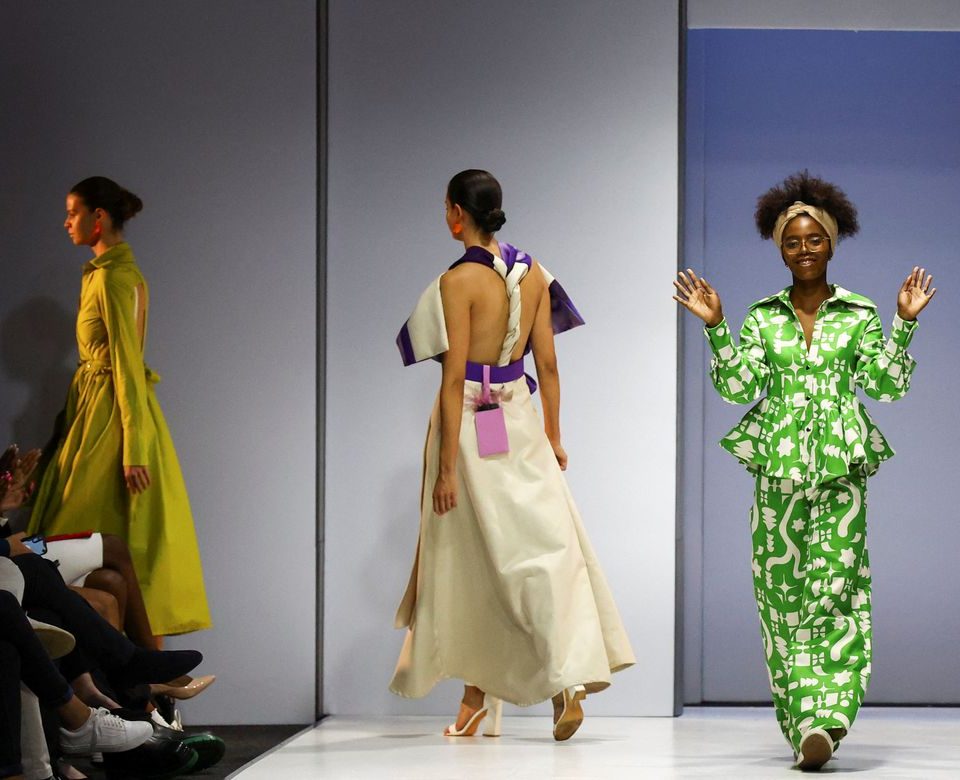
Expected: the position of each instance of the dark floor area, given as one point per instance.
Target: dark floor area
(244, 743)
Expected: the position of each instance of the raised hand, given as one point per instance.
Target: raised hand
(699, 298)
(915, 294)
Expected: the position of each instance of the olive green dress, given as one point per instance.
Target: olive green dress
(113, 420)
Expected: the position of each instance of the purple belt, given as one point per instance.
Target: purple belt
(501, 374)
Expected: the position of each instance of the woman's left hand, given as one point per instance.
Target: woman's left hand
(915, 294)
(137, 478)
(444, 494)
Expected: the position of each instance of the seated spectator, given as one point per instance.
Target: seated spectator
(43, 592)
(83, 729)
(96, 562)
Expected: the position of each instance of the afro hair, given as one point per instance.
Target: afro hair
(812, 191)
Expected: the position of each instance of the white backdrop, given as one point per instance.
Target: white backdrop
(575, 111)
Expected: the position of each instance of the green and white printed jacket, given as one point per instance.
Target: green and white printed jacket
(810, 427)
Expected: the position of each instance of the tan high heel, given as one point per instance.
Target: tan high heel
(196, 686)
(571, 714)
(491, 706)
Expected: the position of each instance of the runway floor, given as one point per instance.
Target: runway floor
(715, 742)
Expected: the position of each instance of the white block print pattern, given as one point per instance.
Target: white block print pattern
(811, 577)
(810, 427)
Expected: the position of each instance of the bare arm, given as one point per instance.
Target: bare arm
(456, 312)
(548, 375)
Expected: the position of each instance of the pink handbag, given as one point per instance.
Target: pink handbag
(491, 425)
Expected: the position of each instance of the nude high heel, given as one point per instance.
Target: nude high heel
(571, 715)
(491, 706)
(188, 691)
(494, 706)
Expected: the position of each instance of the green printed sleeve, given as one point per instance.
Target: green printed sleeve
(740, 374)
(884, 368)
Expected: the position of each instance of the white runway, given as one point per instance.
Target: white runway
(715, 742)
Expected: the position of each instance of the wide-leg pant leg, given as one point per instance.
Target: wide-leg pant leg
(830, 652)
(778, 523)
(812, 584)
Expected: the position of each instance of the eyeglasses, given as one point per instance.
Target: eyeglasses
(813, 243)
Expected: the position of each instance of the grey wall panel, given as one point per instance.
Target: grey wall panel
(207, 111)
(575, 111)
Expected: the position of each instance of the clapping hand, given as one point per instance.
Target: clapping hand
(915, 294)
(699, 298)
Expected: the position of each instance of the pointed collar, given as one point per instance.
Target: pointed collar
(839, 294)
(120, 253)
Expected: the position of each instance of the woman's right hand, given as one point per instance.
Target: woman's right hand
(137, 478)
(444, 493)
(699, 298)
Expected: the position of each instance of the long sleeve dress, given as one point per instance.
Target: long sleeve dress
(112, 420)
(811, 445)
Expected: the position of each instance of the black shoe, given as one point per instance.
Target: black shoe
(155, 759)
(210, 749)
(157, 666)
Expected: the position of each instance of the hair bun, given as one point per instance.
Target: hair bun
(130, 204)
(494, 220)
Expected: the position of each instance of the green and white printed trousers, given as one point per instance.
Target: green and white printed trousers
(811, 576)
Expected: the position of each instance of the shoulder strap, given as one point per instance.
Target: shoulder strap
(511, 279)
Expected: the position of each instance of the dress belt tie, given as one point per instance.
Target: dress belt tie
(105, 367)
(95, 366)
(501, 374)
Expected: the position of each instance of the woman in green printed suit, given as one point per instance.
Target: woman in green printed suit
(811, 446)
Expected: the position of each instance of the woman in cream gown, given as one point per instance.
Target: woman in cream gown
(506, 592)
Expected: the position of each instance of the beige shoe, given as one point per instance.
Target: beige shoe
(187, 691)
(492, 707)
(55, 641)
(568, 713)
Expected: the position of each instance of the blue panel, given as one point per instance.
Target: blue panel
(878, 113)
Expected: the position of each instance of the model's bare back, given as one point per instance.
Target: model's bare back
(490, 308)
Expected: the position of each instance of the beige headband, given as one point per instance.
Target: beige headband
(827, 222)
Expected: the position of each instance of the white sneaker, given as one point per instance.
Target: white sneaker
(104, 733)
